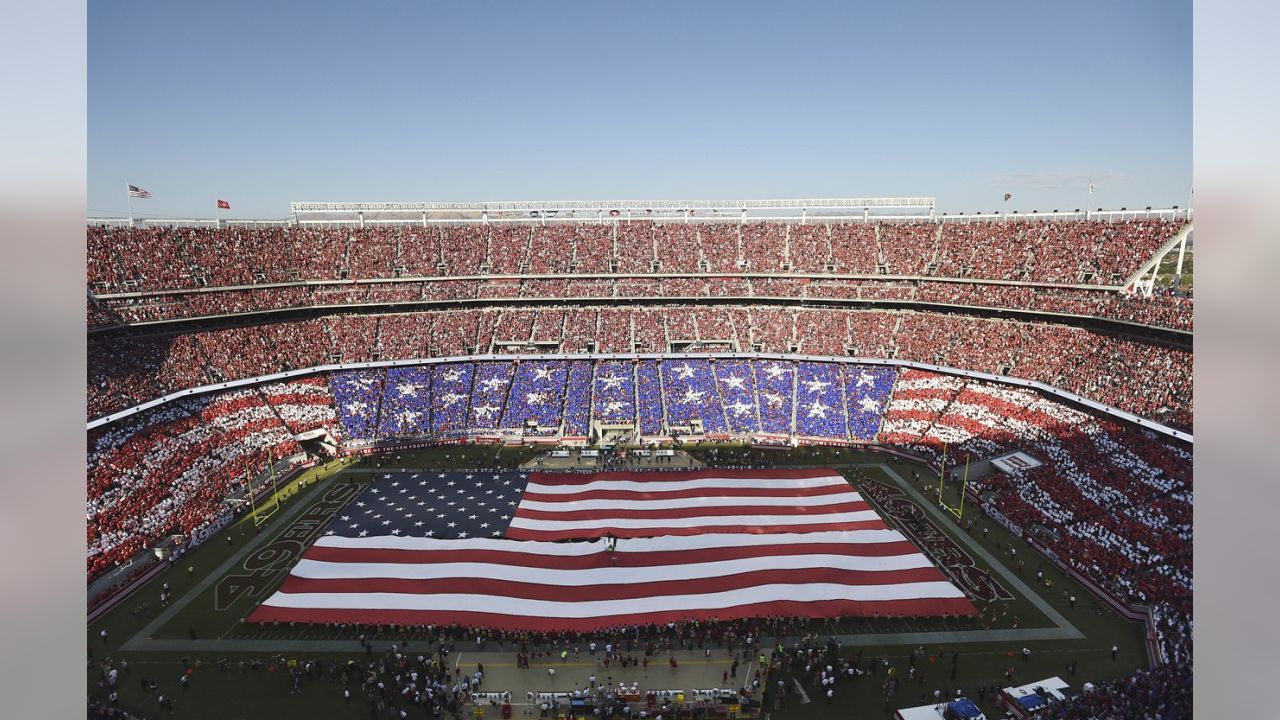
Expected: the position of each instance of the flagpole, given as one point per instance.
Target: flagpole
(129, 198)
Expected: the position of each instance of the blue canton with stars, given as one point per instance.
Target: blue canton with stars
(471, 503)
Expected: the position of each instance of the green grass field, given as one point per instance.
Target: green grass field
(226, 579)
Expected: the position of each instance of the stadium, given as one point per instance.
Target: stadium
(806, 458)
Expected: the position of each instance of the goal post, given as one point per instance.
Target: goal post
(958, 509)
(261, 516)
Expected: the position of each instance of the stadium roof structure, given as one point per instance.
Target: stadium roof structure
(601, 209)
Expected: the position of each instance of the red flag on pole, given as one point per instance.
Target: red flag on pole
(224, 205)
(1007, 196)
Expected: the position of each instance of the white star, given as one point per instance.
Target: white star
(486, 410)
(328, 532)
(363, 533)
(611, 381)
(453, 375)
(356, 408)
(775, 371)
(451, 398)
(394, 484)
(469, 477)
(418, 524)
(386, 522)
(453, 524)
(355, 525)
(395, 531)
(462, 534)
(484, 525)
(869, 405)
(450, 483)
(506, 517)
(387, 476)
(815, 385)
(345, 517)
(471, 517)
(407, 389)
(684, 371)
(613, 407)
(493, 384)
(496, 533)
(740, 408)
(541, 374)
(429, 533)
(866, 379)
(774, 399)
(692, 395)
(818, 410)
(734, 382)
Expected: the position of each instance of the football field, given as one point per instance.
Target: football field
(238, 669)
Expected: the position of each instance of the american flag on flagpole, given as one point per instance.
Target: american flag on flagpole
(135, 191)
(481, 549)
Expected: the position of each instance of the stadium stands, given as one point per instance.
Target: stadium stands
(156, 273)
(1143, 378)
(167, 471)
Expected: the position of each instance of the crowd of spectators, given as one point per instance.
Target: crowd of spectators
(1147, 379)
(165, 273)
(1110, 501)
(167, 471)
(1162, 309)
(830, 400)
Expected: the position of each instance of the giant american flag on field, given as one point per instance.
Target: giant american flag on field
(577, 551)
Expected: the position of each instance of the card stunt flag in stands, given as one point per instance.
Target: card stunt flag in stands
(478, 549)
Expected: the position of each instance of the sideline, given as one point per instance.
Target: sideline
(142, 639)
(1071, 632)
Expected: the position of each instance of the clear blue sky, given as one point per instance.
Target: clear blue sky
(261, 103)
